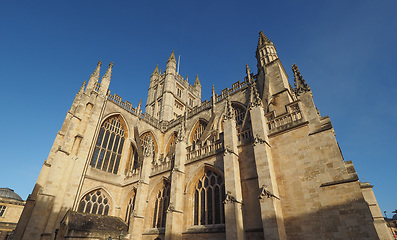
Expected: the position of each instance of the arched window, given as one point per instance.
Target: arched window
(170, 150)
(239, 113)
(130, 208)
(95, 202)
(208, 199)
(198, 130)
(109, 145)
(161, 206)
(145, 139)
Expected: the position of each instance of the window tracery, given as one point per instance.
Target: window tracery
(208, 199)
(161, 206)
(94, 202)
(146, 138)
(198, 131)
(109, 145)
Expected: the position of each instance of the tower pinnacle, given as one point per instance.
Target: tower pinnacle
(300, 85)
(263, 39)
(197, 81)
(156, 70)
(172, 57)
(94, 78)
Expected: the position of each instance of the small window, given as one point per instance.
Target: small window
(2, 210)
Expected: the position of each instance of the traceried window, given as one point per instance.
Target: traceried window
(170, 150)
(198, 131)
(95, 202)
(239, 113)
(130, 208)
(161, 206)
(109, 145)
(208, 199)
(145, 139)
(2, 210)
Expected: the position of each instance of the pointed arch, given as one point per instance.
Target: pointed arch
(96, 201)
(160, 199)
(109, 144)
(170, 149)
(206, 191)
(145, 138)
(197, 130)
(130, 205)
(241, 116)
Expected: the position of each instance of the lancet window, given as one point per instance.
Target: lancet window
(208, 199)
(161, 206)
(130, 208)
(95, 202)
(109, 145)
(171, 145)
(198, 131)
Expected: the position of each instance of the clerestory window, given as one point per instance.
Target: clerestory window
(95, 202)
(109, 145)
(208, 199)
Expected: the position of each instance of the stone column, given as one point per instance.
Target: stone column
(174, 223)
(271, 213)
(233, 202)
(138, 215)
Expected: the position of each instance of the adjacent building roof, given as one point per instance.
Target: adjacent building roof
(9, 193)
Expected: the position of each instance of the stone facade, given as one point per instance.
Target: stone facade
(256, 161)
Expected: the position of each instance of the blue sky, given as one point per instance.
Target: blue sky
(345, 51)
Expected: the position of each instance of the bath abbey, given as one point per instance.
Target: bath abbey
(255, 161)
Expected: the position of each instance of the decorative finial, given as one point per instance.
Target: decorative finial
(96, 72)
(172, 57)
(197, 81)
(300, 85)
(108, 73)
(156, 70)
(255, 99)
(263, 39)
(229, 110)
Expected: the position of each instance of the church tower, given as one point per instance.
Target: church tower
(169, 93)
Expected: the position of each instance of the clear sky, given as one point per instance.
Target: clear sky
(345, 50)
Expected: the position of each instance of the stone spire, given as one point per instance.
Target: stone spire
(172, 57)
(255, 100)
(156, 70)
(196, 82)
(106, 80)
(266, 51)
(139, 106)
(94, 78)
(108, 73)
(263, 40)
(300, 85)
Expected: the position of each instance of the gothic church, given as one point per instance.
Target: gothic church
(256, 161)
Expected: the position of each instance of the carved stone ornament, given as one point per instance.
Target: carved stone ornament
(148, 151)
(300, 85)
(229, 150)
(255, 100)
(229, 110)
(230, 199)
(181, 132)
(266, 193)
(171, 208)
(258, 140)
